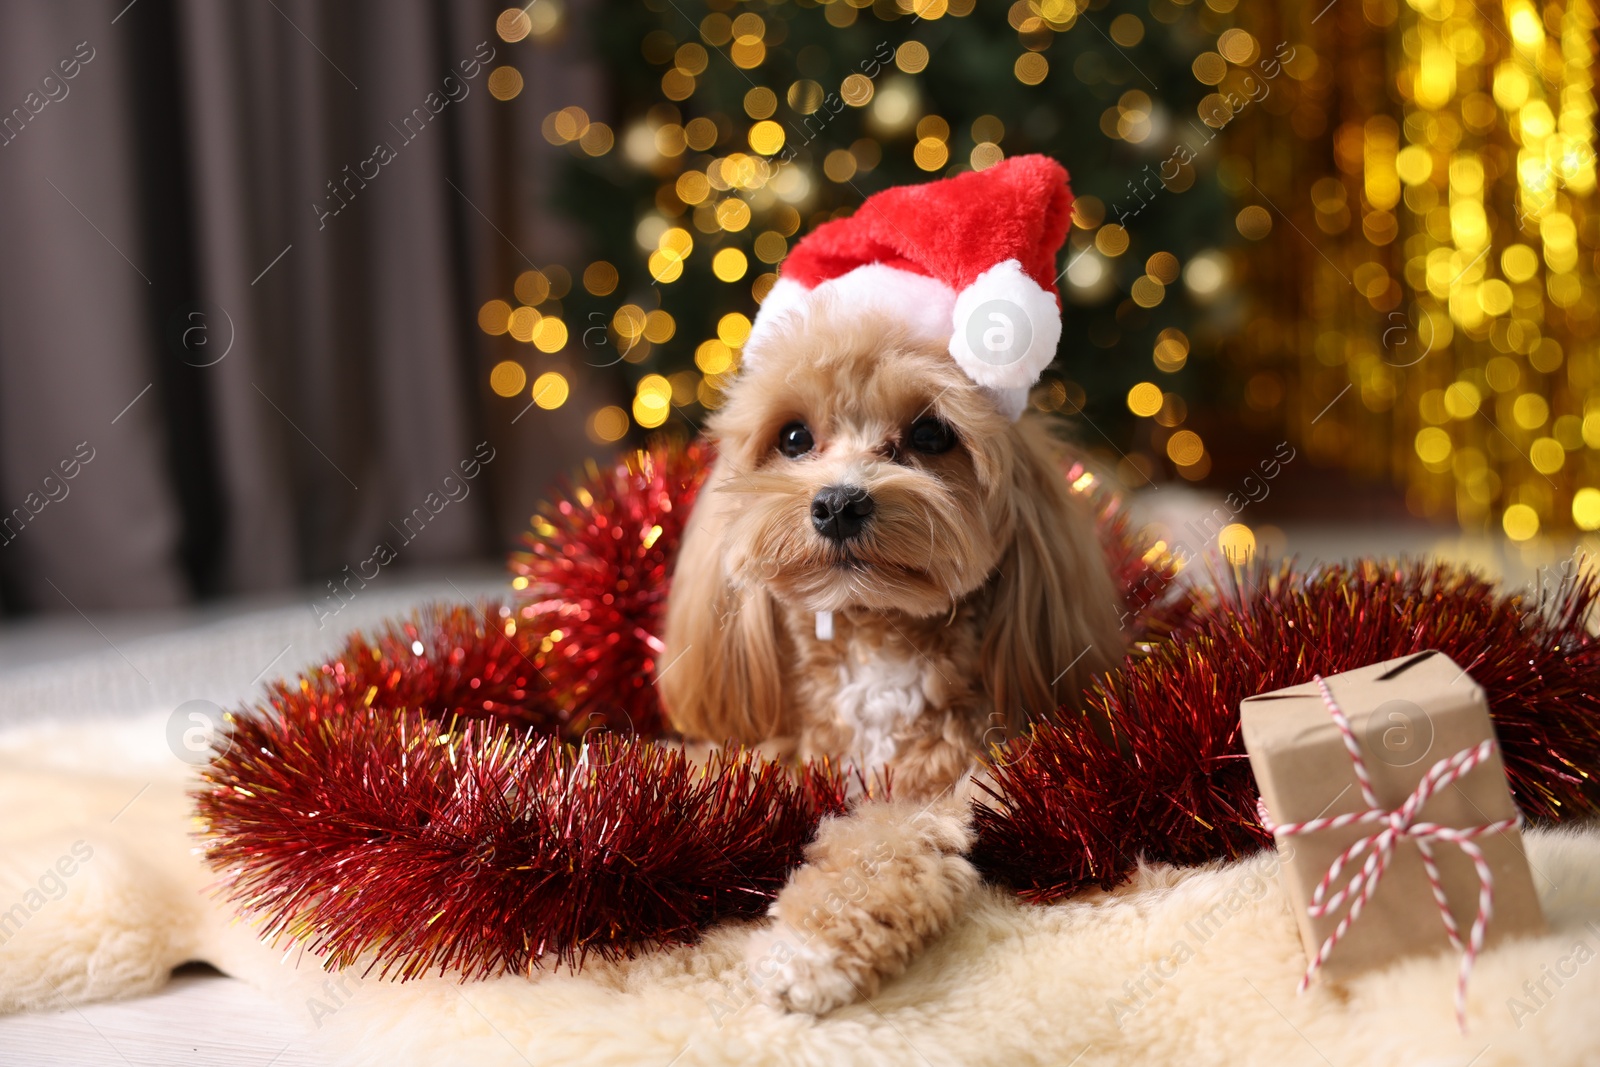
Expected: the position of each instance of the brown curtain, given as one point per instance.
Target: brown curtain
(241, 250)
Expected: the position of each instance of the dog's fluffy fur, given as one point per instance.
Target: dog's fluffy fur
(974, 597)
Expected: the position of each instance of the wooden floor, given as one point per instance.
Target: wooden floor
(202, 1019)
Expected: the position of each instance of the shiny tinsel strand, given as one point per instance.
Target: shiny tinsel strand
(592, 584)
(391, 840)
(446, 661)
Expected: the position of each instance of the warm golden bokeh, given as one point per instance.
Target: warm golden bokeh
(1434, 292)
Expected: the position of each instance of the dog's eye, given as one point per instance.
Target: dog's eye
(795, 440)
(931, 436)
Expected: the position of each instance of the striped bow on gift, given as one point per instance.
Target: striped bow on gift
(1399, 824)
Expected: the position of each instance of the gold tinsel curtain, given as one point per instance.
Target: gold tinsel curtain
(1428, 204)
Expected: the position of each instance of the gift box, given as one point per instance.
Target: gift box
(1407, 720)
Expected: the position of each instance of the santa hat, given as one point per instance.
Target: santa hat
(968, 261)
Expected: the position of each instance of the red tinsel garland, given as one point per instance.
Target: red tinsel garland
(389, 838)
(405, 804)
(451, 661)
(593, 582)
(1072, 811)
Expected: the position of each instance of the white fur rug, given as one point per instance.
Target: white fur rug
(1181, 966)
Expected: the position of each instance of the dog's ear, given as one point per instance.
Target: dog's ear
(1053, 617)
(719, 676)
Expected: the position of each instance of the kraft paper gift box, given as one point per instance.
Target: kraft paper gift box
(1406, 714)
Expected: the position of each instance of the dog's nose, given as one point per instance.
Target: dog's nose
(840, 511)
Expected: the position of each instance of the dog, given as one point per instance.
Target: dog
(885, 569)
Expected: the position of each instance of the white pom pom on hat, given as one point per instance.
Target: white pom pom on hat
(968, 261)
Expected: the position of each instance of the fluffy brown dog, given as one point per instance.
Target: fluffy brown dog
(863, 475)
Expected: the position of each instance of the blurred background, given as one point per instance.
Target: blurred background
(293, 289)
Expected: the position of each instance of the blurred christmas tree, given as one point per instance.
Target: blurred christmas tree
(740, 126)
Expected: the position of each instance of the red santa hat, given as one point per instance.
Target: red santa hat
(968, 261)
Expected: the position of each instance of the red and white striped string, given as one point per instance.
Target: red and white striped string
(1378, 848)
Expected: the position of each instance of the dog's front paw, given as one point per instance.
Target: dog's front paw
(798, 973)
(878, 885)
